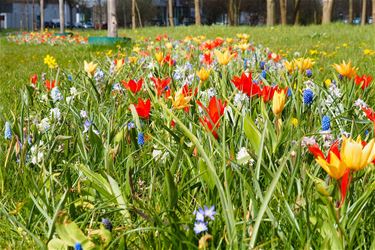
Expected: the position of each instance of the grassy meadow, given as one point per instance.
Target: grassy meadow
(255, 140)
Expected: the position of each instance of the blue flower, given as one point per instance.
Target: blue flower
(107, 224)
(141, 139)
(309, 73)
(8, 131)
(264, 74)
(261, 65)
(289, 93)
(200, 227)
(70, 78)
(209, 212)
(131, 125)
(244, 64)
(56, 94)
(308, 96)
(199, 215)
(78, 246)
(326, 123)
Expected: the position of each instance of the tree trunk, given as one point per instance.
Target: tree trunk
(62, 16)
(33, 16)
(111, 15)
(197, 11)
(133, 15)
(297, 4)
(327, 11)
(270, 12)
(231, 12)
(170, 13)
(373, 12)
(139, 15)
(363, 18)
(41, 15)
(283, 12)
(350, 18)
(100, 14)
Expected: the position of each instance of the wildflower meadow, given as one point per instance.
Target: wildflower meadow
(191, 141)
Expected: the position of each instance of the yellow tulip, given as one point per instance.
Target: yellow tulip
(90, 68)
(335, 168)
(289, 66)
(133, 59)
(346, 69)
(303, 63)
(180, 101)
(223, 58)
(119, 64)
(159, 56)
(278, 101)
(355, 155)
(203, 74)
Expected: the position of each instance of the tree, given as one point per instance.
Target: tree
(112, 21)
(197, 11)
(297, 5)
(133, 15)
(283, 12)
(170, 13)
(363, 16)
(327, 11)
(270, 12)
(350, 18)
(41, 15)
(62, 17)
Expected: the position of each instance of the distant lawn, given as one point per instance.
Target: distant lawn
(327, 44)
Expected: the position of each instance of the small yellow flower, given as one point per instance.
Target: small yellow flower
(169, 45)
(50, 61)
(90, 68)
(243, 46)
(203, 74)
(180, 101)
(159, 56)
(136, 49)
(294, 122)
(355, 155)
(346, 69)
(368, 52)
(278, 101)
(313, 52)
(223, 58)
(109, 53)
(133, 59)
(243, 36)
(328, 82)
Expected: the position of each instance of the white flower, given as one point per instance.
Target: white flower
(360, 103)
(83, 114)
(73, 91)
(243, 156)
(308, 141)
(56, 94)
(44, 125)
(240, 99)
(159, 155)
(55, 113)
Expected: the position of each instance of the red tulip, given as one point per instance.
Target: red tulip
(214, 112)
(49, 84)
(246, 85)
(34, 79)
(160, 84)
(133, 86)
(267, 92)
(363, 80)
(143, 108)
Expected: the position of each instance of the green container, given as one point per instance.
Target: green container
(64, 34)
(108, 41)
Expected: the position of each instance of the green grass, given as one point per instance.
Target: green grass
(283, 201)
(18, 62)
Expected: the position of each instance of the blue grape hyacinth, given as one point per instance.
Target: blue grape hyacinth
(308, 96)
(141, 139)
(326, 123)
(8, 131)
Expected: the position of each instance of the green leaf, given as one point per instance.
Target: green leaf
(207, 178)
(171, 189)
(252, 133)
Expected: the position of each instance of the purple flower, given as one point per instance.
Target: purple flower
(200, 227)
(209, 212)
(199, 215)
(107, 224)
